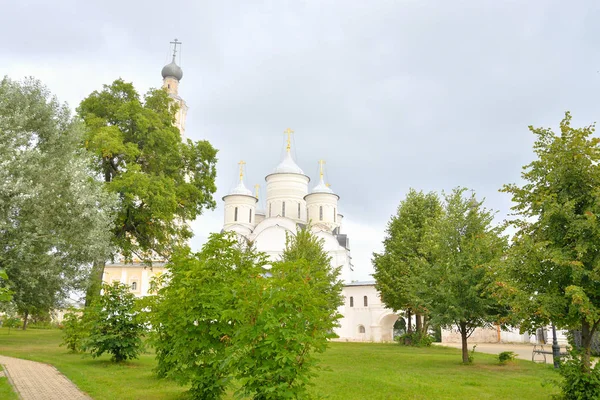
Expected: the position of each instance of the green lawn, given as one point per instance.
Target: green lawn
(6, 391)
(354, 371)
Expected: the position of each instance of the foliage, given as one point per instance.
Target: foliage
(416, 339)
(576, 383)
(115, 327)
(54, 216)
(407, 251)
(161, 181)
(506, 356)
(224, 316)
(290, 319)
(552, 273)
(193, 332)
(74, 331)
(456, 290)
(11, 321)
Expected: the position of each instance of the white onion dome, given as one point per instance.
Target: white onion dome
(322, 188)
(172, 70)
(288, 166)
(241, 189)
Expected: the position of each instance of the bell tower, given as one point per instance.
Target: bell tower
(172, 74)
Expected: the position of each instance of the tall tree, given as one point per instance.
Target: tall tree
(407, 252)
(457, 289)
(162, 182)
(553, 269)
(55, 217)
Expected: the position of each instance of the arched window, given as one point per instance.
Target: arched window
(270, 209)
(298, 210)
(283, 208)
(334, 215)
(366, 301)
(351, 301)
(235, 214)
(250, 216)
(168, 86)
(320, 213)
(133, 285)
(361, 329)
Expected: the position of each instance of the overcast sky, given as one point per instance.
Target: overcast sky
(392, 94)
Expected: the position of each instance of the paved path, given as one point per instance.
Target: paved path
(36, 381)
(523, 351)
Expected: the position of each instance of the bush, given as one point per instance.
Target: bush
(472, 354)
(416, 339)
(576, 385)
(506, 356)
(11, 321)
(115, 325)
(74, 331)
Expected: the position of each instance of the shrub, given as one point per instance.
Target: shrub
(416, 339)
(11, 321)
(74, 331)
(472, 354)
(115, 326)
(506, 356)
(577, 385)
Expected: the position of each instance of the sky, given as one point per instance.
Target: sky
(392, 94)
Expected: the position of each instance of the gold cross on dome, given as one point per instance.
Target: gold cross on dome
(321, 163)
(241, 164)
(288, 132)
(256, 190)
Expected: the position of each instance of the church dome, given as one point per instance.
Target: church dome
(322, 188)
(288, 166)
(241, 189)
(172, 70)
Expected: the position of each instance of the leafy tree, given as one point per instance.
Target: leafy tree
(54, 216)
(115, 325)
(161, 181)
(74, 330)
(407, 252)
(192, 313)
(286, 320)
(552, 273)
(457, 288)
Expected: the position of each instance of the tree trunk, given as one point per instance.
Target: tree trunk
(463, 337)
(418, 327)
(586, 343)
(95, 284)
(409, 317)
(425, 323)
(25, 318)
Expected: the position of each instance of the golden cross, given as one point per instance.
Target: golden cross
(321, 163)
(328, 184)
(241, 164)
(288, 132)
(256, 190)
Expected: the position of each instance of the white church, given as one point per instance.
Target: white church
(291, 201)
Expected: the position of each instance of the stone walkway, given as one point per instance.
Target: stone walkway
(36, 381)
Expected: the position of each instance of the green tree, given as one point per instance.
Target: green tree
(407, 252)
(193, 313)
(115, 326)
(55, 217)
(161, 181)
(286, 320)
(457, 289)
(553, 273)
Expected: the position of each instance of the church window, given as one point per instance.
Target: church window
(361, 329)
(250, 216)
(134, 285)
(366, 301)
(334, 215)
(351, 301)
(235, 214)
(168, 86)
(283, 208)
(320, 213)
(298, 210)
(270, 209)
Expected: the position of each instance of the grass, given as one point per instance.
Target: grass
(6, 390)
(353, 371)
